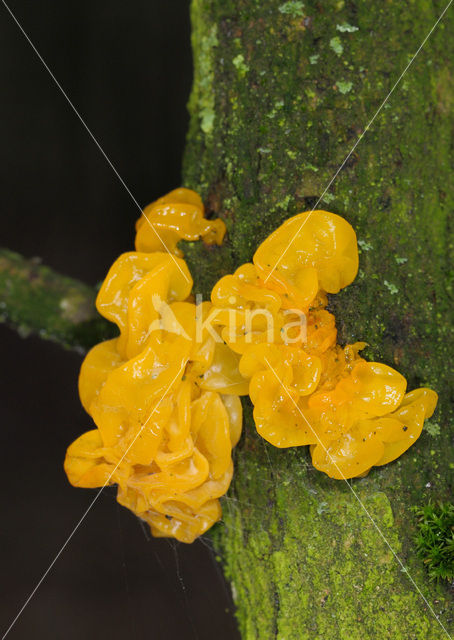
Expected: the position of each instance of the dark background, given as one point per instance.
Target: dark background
(126, 66)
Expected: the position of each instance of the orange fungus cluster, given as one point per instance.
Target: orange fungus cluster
(305, 388)
(164, 395)
(166, 418)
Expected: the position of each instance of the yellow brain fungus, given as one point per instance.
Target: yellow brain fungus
(310, 252)
(164, 394)
(305, 388)
(179, 215)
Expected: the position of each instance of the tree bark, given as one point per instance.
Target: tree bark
(35, 299)
(282, 91)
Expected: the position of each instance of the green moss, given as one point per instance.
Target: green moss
(432, 427)
(294, 8)
(320, 573)
(391, 287)
(238, 62)
(202, 98)
(435, 539)
(344, 87)
(346, 28)
(336, 45)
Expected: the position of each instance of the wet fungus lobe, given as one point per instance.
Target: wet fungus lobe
(305, 388)
(164, 394)
(166, 420)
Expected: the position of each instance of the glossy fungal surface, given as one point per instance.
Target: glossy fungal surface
(311, 251)
(305, 388)
(164, 394)
(161, 396)
(179, 215)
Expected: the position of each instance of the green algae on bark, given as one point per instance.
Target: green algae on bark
(35, 299)
(303, 557)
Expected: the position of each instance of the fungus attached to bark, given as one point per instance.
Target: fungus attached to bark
(160, 398)
(164, 393)
(305, 388)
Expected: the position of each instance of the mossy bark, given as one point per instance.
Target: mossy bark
(35, 299)
(282, 91)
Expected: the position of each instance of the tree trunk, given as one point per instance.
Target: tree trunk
(282, 91)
